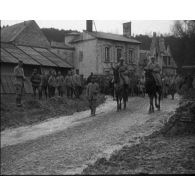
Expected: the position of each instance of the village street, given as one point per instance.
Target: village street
(65, 145)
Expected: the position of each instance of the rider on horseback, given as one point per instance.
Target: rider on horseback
(123, 73)
(155, 68)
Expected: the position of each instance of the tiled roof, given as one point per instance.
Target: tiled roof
(31, 56)
(108, 36)
(9, 34)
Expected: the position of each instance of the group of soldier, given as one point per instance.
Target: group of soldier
(52, 82)
(49, 83)
(73, 84)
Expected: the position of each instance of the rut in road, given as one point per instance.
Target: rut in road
(68, 151)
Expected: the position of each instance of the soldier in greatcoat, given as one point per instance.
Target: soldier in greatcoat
(68, 84)
(19, 82)
(92, 93)
(60, 83)
(36, 81)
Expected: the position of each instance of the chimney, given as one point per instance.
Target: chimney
(127, 29)
(89, 25)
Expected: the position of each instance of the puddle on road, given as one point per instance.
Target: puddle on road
(49, 126)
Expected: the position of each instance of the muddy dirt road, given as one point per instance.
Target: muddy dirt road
(65, 145)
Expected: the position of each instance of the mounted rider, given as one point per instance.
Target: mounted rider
(155, 68)
(123, 73)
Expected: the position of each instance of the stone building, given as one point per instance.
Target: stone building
(95, 51)
(163, 55)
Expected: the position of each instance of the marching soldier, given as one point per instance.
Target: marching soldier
(19, 82)
(92, 92)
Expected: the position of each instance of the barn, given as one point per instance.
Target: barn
(25, 41)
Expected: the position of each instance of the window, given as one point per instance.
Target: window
(119, 54)
(169, 60)
(130, 56)
(80, 56)
(107, 54)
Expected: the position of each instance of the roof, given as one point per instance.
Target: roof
(11, 53)
(108, 36)
(60, 45)
(9, 34)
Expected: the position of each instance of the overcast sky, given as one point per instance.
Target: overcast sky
(113, 26)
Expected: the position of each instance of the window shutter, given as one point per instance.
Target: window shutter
(103, 54)
(111, 54)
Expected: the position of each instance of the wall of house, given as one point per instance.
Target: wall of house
(85, 57)
(65, 54)
(104, 67)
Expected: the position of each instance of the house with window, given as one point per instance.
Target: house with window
(163, 55)
(95, 51)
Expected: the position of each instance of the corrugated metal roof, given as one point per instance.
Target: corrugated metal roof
(51, 56)
(36, 56)
(31, 55)
(6, 57)
(109, 36)
(18, 54)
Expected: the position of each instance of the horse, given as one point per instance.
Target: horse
(119, 89)
(152, 90)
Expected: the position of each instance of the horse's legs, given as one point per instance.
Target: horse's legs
(117, 99)
(124, 101)
(151, 104)
(156, 103)
(120, 104)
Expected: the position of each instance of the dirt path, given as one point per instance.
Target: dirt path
(67, 144)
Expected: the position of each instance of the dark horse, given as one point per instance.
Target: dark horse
(120, 91)
(152, 90)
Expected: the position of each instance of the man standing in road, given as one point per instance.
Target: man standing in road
(19, 82)
(92, 93)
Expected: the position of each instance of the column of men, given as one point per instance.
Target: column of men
(53, 82)
(48, 84)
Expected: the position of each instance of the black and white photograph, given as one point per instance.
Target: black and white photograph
(97, 103)
(99, 97)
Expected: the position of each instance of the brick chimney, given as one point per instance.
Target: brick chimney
(127, 29)
(89, 25)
